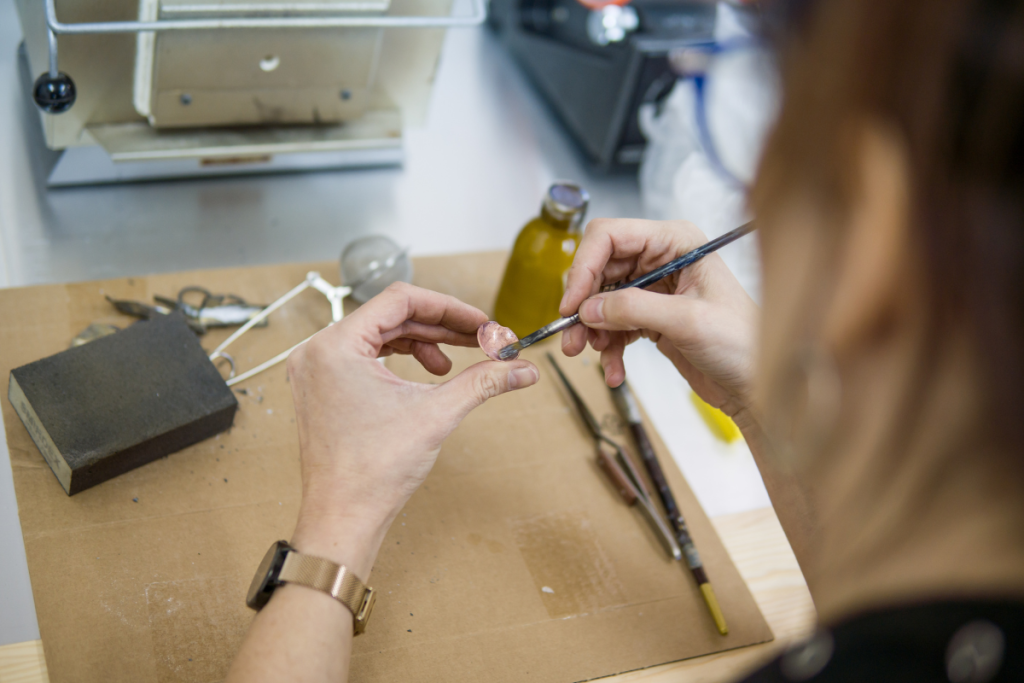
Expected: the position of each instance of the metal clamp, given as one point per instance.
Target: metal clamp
(54, 92)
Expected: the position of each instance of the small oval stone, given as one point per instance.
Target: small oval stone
(493, 337)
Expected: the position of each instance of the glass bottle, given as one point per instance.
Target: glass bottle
(534, 278)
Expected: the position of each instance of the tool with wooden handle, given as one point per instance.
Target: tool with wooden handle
(617, 477)
(632, 496)
(631, 492)
(627, 405)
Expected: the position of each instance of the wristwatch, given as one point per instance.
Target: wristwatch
(282, 564)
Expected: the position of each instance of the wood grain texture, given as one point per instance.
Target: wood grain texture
(757, 545)
(23, 663)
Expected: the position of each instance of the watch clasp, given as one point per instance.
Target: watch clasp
(365, 607)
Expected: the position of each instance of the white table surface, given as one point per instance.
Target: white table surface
(474, 173)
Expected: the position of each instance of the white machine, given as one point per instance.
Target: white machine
(143, 89)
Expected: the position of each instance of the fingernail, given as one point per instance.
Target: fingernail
(592, 310)
(561, 304)
(565, 339)
(522, 377)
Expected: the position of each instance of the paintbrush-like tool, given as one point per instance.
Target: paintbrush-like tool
(630, 411)
(645, 280)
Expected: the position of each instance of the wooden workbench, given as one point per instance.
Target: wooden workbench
(757, 545)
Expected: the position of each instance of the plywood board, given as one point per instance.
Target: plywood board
(154, 590)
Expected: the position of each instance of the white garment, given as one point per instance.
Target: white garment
(678, 180)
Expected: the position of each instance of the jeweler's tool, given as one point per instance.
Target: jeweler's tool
(645, 280)
(627, 405)
(607, 453)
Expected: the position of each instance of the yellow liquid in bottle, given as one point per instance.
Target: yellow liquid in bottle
(534, 278)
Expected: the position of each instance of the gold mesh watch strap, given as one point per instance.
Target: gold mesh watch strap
(335, 580)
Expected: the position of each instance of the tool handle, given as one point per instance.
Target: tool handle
(647, 454)
(668, 501)
(622, 482)
(618, 478)
(588, 417)
(690, 257)
(630, 469)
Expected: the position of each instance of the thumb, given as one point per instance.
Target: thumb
(639, 309)
(477, 383)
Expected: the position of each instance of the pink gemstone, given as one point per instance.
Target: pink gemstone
(493, 338)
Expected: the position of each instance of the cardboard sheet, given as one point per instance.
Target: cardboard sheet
(515, 561)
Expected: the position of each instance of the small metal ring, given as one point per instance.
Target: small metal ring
(227, 357)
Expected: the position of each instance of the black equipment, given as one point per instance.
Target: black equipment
(596, 67)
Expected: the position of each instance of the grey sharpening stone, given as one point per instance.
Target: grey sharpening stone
(114, 404)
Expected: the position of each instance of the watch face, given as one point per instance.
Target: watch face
(265, 581)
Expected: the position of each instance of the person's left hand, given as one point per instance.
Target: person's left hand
(367, 438)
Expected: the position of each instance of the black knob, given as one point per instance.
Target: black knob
(54, 94)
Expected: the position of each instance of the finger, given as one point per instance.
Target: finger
(618, 270)
(477, 383)
(612, 361)
(431, 358)
(636, 309)
(366, 328)
(601, 340)
(435, 334)
(637, 244)
(585, 276)
(574, 340)
(429, 355)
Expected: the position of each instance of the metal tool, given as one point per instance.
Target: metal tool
(646, 280)
(215, 310)
(94, 332)
(137, 309)
(610, 457)
(630, 410)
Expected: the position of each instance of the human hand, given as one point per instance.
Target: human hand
(367, 438)
(700, 318)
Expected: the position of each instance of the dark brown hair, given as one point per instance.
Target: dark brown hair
(948, 75)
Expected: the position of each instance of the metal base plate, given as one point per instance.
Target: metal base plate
(135, 151)
(92, 165)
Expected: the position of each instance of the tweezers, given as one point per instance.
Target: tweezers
(620, 469)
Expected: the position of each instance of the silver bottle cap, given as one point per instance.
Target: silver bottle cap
(567, 202)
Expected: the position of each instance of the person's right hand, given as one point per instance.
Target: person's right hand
(700, 318)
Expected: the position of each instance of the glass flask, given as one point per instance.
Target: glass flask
(534, 279)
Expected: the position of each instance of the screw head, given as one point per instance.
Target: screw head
(346, 94)
(54, 94)
(186, 99)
